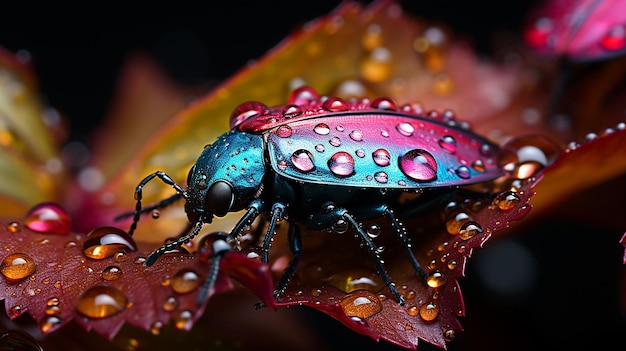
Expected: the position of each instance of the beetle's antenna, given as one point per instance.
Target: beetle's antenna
(139, 195)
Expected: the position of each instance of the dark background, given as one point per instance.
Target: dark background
(570, 296)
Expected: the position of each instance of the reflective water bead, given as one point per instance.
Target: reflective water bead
(304, 95)
(302, 160)
(284, 131)
(356, 135)
(356, 280)
(156, 327)
(104, 242)
(341, 164)
(361, 303)
(526, 155)
(321, 129)
(101, 302)
(429, 311)
(319, 148)
(381, 177)
(185, 281)
(183, 320)
(455, 220)
(506, 200)
(381, 157)
(48, 217)
(245, 111)
(419, 165)
(290, 111)
(615, 38)
(436, 279)
(463, 172)
(448, 144)
(335, 141)
(13, 227)
(335, 104)
(17, 266)
(405, 128)
(469, 230)
(170, 304)
(111, 273)
(49, 323)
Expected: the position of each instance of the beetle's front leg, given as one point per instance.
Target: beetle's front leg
(277, 213)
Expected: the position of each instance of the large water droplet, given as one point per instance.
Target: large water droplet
(384, 103)
(291, 111)
(321, 129)
(436, 279)
(405, 128)
(506, 200)
(304, 95)
(455, 221)
(101, 302)
(524, 156)
(48, 217)
(381, 157)
(419, 165)
(463, 172)
(17, 266)
(341, 164)
(302, 160)
(284, 131)
(104, 242)
(429, 311)
(469, 230)
(361, 303)
(381, 177)
(335, 104)
(185, 281)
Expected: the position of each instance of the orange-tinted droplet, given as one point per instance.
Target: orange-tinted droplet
(156, 327)
(361, 303)
(436, 279)
(170, 304)
(49, 323)
(13, 227)
(356, 280)
(185, 281)
(506, 200)
(111, 273)
(17, 266)
(183, 320)
(429, 311)
(101, 302)
(48, 217)
(104, 242)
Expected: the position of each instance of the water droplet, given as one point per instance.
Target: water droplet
(463, 172)
(381, 177)
(360, 153)
(356, 280)
(478, 165)
(412, 310)
(436, 279)
(469, 230)
(449, 334)
(455, 220)
(335, 104)
(340, 226)
(304, 95)
(105, 242)
(183, 320)
(319, 148)
(524, 156)
(13, 227)
(356, 135)
(291, 111)
(405, 128)
(506, 200)
(156, 327)
(246, 110)
(48, 217)
(111, 273)
(373, 231)
(419, 165)
(429, 311)
(284, 131)
(185, 281)
(302, 160)
(381, 157)
(341, 164)
(16, 310)
(49, 323)
(17, 266)
(448, 144)
(335, 141)
(170, 304)
(156, 214)
(282, 165)
(361, 303)
(101, 302)
(384, 103)
(321, 129)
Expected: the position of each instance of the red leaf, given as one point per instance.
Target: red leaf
(57, 289)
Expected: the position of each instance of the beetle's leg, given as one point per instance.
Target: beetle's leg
(371, 247)
(255, 207)
(139, 194)
(295, 244)
(404, 238)
(277, 213)
(174, 244)
(161, 204)
(220, 247)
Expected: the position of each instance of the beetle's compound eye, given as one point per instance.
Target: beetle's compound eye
(219, 198)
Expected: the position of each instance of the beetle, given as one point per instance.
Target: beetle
(322, 162)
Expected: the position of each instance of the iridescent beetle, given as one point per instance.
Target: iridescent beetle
(325, 163)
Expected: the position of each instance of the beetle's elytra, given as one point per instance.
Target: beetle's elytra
(325, 163)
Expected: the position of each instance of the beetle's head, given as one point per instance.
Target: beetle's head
(226, 176)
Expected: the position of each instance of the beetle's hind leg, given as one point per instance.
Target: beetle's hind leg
(371, 247)
(406, 241)
(295, 245)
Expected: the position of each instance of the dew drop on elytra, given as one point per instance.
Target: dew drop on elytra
(101, 302)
